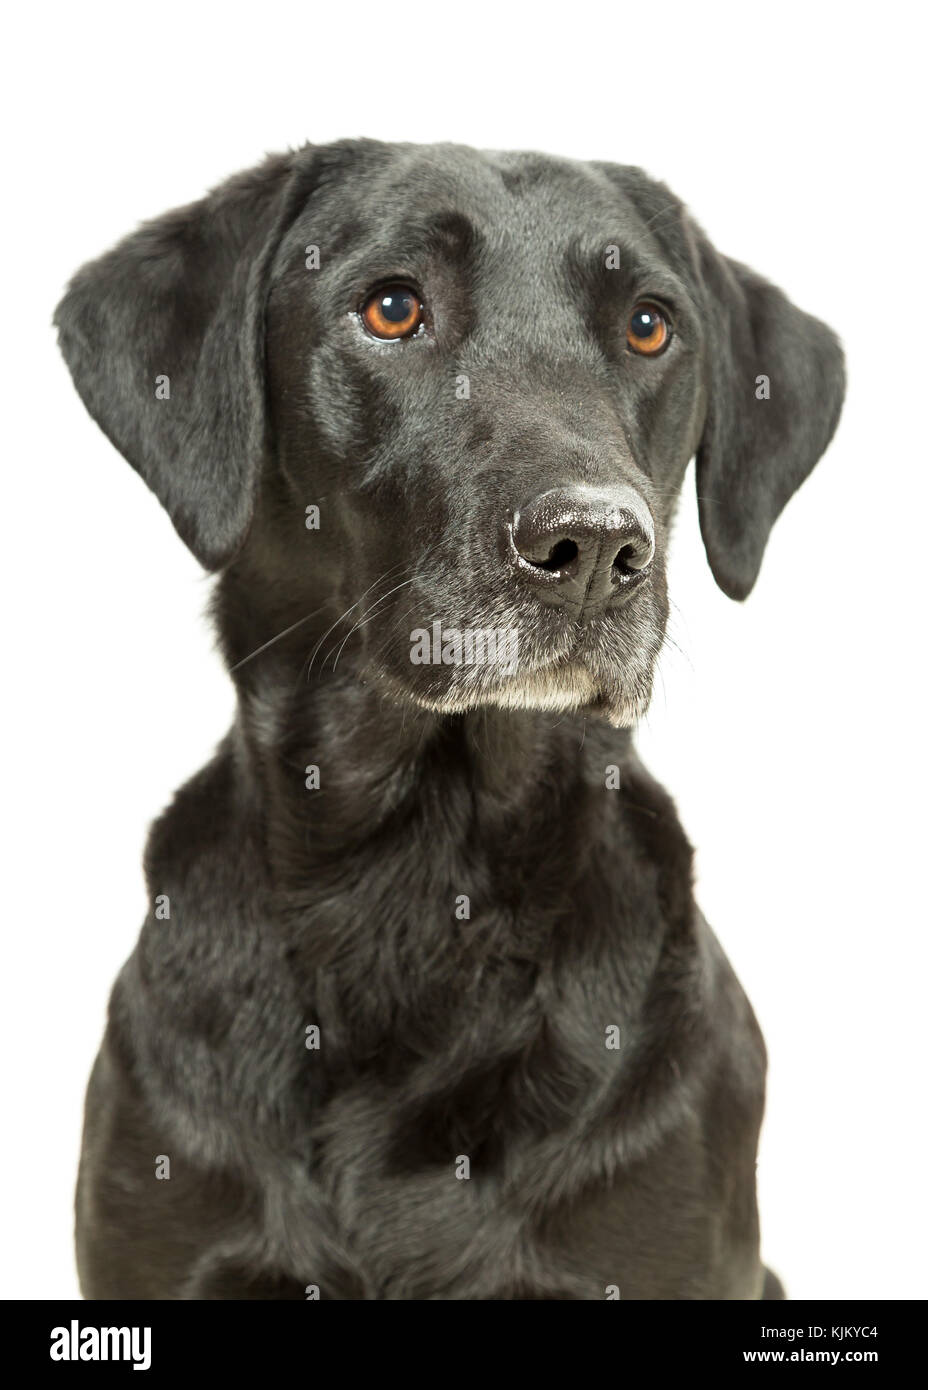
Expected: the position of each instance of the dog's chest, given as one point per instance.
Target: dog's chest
(463, 1098)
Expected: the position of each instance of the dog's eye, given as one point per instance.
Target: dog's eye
(392, 312)
(648, 331)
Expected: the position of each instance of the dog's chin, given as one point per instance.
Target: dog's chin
(603, 669)
(561, 688)
(571, 689)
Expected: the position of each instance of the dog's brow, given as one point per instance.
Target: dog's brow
(617, 261)
(448, 233)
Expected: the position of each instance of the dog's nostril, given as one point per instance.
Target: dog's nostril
(632, 558)
(583, 547)
(559, 556)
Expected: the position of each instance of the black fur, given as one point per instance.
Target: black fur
(441, 1037)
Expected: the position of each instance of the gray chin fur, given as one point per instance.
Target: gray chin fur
(560, 689)
(604, 670)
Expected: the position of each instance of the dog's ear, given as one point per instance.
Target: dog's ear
(775, 387)
(164, 337)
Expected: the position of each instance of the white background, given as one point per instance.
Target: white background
(788, 729)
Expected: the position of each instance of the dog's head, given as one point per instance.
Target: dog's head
(451, 396)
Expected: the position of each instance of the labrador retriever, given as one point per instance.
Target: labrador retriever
(424, 1007)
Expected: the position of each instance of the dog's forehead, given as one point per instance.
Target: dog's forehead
(506, 197)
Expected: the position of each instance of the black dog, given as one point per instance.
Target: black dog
(424, 1007)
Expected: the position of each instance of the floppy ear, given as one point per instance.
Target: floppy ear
(776, 384)
(164, 337)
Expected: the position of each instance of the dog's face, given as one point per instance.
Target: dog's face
(488, 373)
(462, 375)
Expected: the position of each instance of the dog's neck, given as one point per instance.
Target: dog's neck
(343, 757)
(436, 859)
(338, 759)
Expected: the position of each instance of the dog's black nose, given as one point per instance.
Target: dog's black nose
(583, 545)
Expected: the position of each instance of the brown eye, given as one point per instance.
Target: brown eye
(648, 331)
(392, 312)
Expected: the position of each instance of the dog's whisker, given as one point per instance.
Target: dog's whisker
(362, 622)
(402, 619)
(662, 212)
(280, 636)
(380, 578)
(368, 617)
